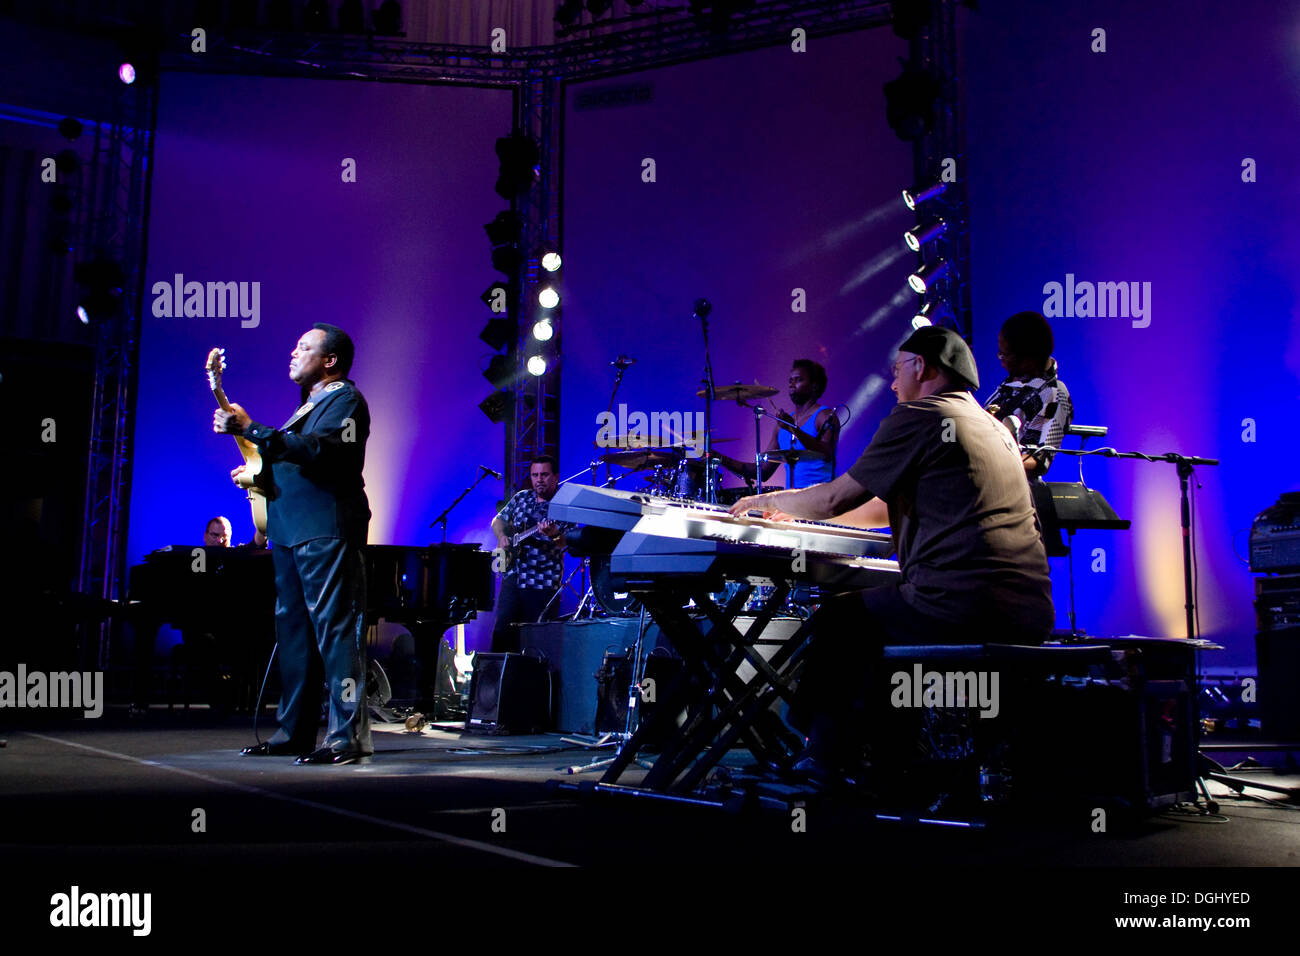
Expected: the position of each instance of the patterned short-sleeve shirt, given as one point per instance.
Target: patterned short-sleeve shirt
(1043, 406)
(539, 561)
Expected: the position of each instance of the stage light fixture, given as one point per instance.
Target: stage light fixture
(101, 282)
(139, 48)
(918, 194)
(924, 232)
(568, 11)
(496, 406)
(67, 162)
(69, 128)
(59, 241)
(910, 101)
(507, 259)
(543, 331)
(598, 8)
(925, 278)
(498, 333)
(499, 297)
(61, 202)
(388, 18)
(909, 17)
(938, 312)
(536, 365)
(498, 371)
(520, 156)
(548, 298)
(551, 261)
(508, 226)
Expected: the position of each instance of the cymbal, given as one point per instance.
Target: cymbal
(635, 459)
(791, 455)
(740, 391)
(634, 440)
(695, 440)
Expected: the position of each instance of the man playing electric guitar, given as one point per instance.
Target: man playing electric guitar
(317, 517)
(536, 562)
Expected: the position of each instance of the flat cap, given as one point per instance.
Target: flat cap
(939, 346)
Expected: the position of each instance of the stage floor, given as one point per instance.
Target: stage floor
(122, 795)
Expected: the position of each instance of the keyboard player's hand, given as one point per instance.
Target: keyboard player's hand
(759, 503)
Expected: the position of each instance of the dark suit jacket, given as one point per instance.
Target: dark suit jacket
(313, 465)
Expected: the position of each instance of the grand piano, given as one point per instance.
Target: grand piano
(223, 602)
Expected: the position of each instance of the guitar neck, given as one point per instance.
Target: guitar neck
(219, 394)
(523, 536)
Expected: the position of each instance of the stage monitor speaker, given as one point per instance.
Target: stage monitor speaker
(509, 694)
(1278, 656)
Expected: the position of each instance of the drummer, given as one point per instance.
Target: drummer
(805, 441)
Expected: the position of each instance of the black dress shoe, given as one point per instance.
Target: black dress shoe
(338, 757)
(268, 749)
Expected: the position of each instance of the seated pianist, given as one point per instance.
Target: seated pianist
(216, 633)
(948, 480)
(219, 533)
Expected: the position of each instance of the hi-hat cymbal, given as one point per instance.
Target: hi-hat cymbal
(739, 391)
(791, 455)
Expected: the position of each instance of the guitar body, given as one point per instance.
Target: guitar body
(515, 539)
(252, 479)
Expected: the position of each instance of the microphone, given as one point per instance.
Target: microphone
(702, 309)
(494, 474)
(623, 361)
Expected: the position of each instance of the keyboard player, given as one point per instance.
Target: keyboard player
(947, 478)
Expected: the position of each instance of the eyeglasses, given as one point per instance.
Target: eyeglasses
(896, 366)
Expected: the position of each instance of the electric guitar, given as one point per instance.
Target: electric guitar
(512, 549)
(251, 478)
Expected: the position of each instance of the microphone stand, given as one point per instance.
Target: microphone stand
(442, 518)
(702, 310)
(1185, 465)
(618, 380)
(1207, 766)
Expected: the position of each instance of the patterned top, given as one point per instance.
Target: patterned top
(1043, 406)
(539, 561)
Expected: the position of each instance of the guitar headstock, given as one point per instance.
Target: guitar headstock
(216, 364)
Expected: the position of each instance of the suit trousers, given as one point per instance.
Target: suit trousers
(320, 628)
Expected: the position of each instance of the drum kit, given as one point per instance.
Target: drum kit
(675, 470)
